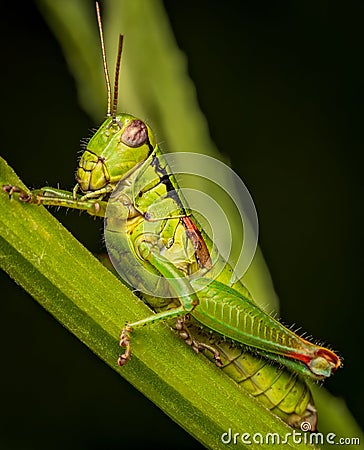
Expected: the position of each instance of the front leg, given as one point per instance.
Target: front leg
(48, 196)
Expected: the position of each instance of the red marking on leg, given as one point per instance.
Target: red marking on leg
(202, 253)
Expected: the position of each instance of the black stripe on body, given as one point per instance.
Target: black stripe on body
(165, 179)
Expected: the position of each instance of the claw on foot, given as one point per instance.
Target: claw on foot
(125, 342)
(9, 189)
(196, 345)
(123, 359)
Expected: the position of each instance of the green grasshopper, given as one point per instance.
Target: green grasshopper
(123, 177)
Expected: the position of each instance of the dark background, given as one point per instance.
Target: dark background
(281, 84)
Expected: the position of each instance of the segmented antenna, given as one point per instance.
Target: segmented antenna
(106, 70)
(116, 82)
(104, 61)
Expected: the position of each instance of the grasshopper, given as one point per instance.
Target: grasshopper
(123, 177)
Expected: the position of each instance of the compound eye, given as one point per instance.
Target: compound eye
(135, 134)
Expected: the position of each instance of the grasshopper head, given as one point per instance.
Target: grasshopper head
(114, 150)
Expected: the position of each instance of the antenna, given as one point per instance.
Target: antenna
(106, 70)
(116, 82)
(104, 61)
